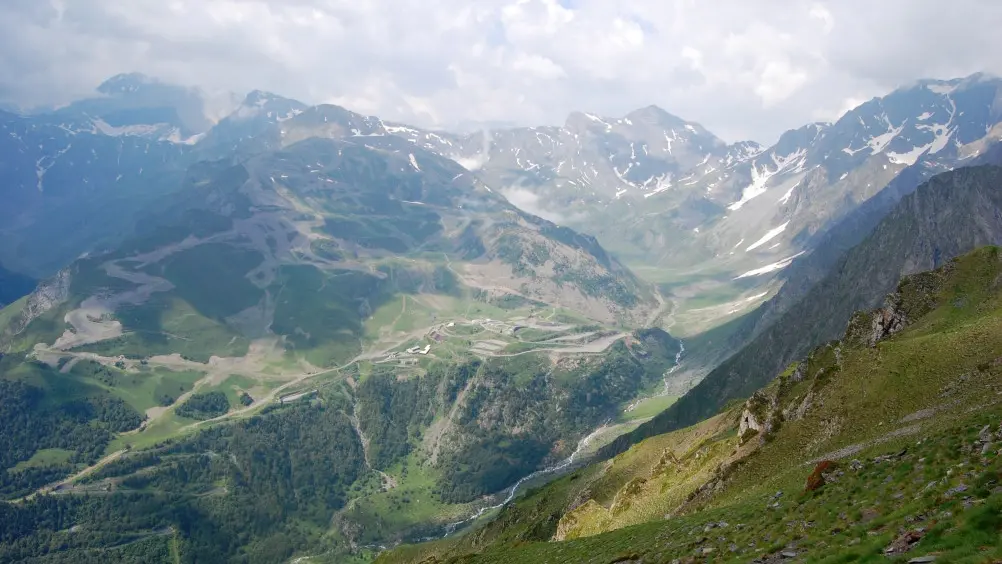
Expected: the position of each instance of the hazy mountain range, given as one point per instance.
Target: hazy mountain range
(274, 329)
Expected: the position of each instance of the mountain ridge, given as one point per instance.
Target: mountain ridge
(922, 231)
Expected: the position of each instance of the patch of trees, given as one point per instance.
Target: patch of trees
(30, 422)
(118, 416)
(393, 413)
(251, 491)
(204, 406)
(521, 414)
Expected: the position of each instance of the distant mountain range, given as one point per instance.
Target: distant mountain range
(456, 311)
(715, 223)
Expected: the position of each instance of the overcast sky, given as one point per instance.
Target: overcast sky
(742, 68)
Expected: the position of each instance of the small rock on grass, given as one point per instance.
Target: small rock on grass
(904, 542)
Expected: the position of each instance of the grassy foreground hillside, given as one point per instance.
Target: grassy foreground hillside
(882, 446)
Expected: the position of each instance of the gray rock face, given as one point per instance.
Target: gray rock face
(49, 294)
(887, 320)
(758, 417)
(749, 422)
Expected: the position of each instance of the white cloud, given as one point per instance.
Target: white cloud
(693, 56)
(778, 81)
(528, 201)
(819, 12)
(837, 109)
(537, 66)
(743, 68)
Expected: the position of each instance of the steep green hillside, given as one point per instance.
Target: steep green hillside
(304, 245)
(232, 492)
(884, 445)
(951, 214)
(372, 458)
(329, 287)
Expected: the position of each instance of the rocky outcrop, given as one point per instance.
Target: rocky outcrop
(870, 327)
(915, 296)
(796, 410)
(887, 321)
(750, 424)
(627, 495)
(575, 522)
(49, 294)
(667, 462)
(758, 417)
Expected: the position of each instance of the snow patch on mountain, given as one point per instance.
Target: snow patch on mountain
(597, 119)
(880, 142)
(778, 265)
(398, 129)
(789, 193)
(757, 187)
(943, 134)
(772, 234)
(909, 158)
(660, 184)
(794, 162)
(139, 129)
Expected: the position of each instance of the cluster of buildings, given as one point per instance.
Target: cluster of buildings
(419, 350)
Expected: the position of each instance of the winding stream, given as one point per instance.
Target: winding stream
(666, 377)
(582, 444)
(678, 363)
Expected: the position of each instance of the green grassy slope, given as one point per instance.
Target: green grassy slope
(910, 426)
(313, 268)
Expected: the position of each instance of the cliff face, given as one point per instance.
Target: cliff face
(49, 294)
